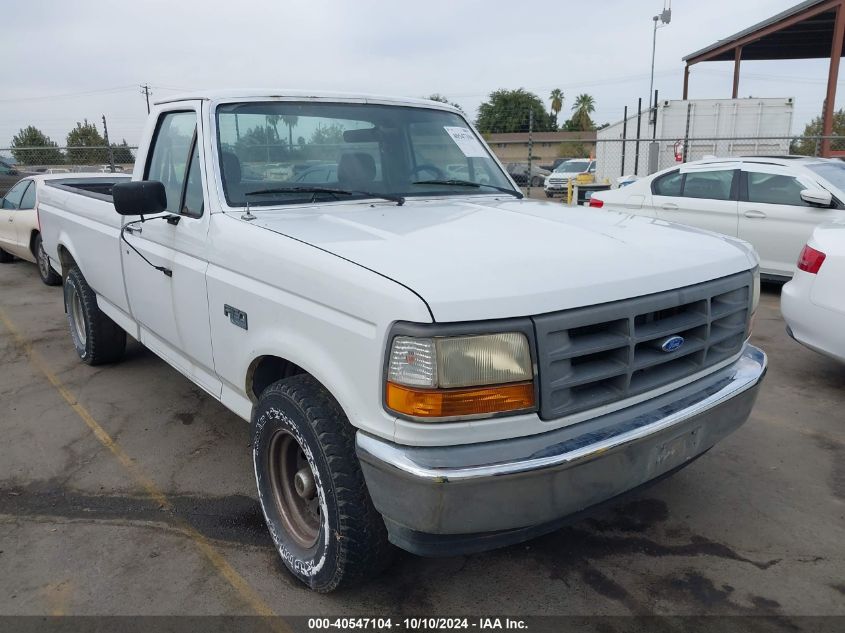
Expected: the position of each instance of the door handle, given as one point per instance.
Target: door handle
(669, 206)
(753, 213)
(134, 230)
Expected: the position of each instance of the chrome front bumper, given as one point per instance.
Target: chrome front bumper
(478, 496)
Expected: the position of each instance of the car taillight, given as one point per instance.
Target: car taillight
(810, 260)
(38, 217)
(596, 203)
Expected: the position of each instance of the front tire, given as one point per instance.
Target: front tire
(95, 336)
(6, 258)
(311, 487)
(45, 271)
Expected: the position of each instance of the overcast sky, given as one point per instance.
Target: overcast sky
(62, 61)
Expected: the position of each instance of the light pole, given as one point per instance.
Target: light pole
(665, 17)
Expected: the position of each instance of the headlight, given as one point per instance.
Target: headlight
(449, 377)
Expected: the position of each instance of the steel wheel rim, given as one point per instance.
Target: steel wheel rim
(77, 317)
(43, 262)
(294, 489)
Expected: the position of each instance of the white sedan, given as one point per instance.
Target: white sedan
(20, 231)
(813, 303)
(772, 202)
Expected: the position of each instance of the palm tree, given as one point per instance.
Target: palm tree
(273, 119)
(557, 102)
(583, 107)
(290, 120)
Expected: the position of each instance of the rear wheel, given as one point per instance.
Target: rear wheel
(45, 271)
(536, 181)
(95, 336)
(311, 487)
(5, 257)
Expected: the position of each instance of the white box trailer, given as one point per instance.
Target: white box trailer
(717, 127)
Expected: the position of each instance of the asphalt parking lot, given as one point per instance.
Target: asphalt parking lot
(125, 489)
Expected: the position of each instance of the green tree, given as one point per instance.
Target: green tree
(260, 143)
(572, 150)
(31, 136)
(291, 120)
(556, 98)
(810, 146)
(441, 99)
(86, 146)
(331, 134)
(122, 153)
(273, 119)
(583, 107)
(508, 111)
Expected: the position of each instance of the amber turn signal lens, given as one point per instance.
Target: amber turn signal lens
(441, 403)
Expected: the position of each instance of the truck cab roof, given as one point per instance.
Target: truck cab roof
(272, 94)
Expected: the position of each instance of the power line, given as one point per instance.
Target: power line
(68, 95)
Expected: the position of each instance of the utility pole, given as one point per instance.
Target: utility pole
(665, 17)
(145, 90)
(111, 151)
(530, 147)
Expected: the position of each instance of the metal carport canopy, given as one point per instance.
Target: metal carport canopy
(810, 30)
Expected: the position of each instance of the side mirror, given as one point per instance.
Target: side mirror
(817, 197)
(143, 197)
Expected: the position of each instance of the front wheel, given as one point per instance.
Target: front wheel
(311, 487)
(536, 181)
(45, 271)
(5, 257)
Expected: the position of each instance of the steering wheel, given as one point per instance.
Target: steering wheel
(438, 173)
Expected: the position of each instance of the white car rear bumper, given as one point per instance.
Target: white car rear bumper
(820, 329)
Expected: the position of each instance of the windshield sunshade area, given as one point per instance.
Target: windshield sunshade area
(275, 153)
(832, 171)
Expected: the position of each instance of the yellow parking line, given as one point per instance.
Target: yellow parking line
(246, 592)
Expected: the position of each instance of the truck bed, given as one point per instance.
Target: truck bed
(100, 188)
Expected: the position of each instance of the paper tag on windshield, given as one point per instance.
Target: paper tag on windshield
(465, 139)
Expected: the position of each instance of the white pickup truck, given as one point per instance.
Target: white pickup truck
(425, 361)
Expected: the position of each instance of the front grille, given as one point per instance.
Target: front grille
(593, 356)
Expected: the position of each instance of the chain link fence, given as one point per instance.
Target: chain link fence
(39, 160)
(615, 159)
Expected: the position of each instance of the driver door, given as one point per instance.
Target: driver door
(172, 311)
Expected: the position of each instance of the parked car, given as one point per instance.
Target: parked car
(558, 181)
(9, 175)
(519, 173)
(325, 173)
(438, 364)
(554, 164)
(771, 202)
(20, 234)
(813, 303)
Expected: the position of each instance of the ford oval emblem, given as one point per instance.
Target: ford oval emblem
(672, 343)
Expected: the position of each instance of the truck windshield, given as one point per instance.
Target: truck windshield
(291, 149)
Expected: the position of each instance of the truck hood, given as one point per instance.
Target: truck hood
(483, 257)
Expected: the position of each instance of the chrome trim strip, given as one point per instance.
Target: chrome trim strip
(750, 368)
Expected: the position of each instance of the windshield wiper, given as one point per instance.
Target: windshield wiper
(469, 183)
(399, 200)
